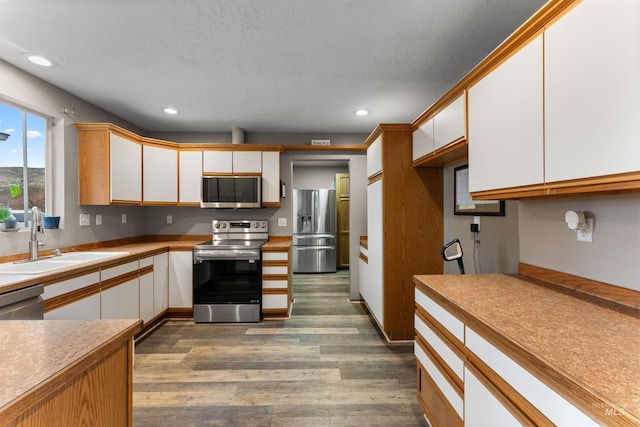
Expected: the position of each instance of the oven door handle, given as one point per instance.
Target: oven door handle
(226, 254)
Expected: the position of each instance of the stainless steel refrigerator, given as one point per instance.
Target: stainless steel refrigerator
(314, 231)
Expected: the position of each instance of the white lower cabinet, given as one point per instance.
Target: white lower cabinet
(160, 283)
(146, 297)
(85, 309)
(121, 301)
(57, 294)
(180, 279)
(483, 408)
(556, 408)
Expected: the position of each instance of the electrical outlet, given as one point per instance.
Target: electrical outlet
(98, 219)
(282, 222)
(586, 235)
(85, 220)
(475, 228)
(169, 219)
(124, 218)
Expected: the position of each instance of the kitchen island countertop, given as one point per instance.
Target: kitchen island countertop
(586, 349)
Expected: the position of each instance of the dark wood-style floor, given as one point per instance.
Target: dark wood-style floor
(326, 366)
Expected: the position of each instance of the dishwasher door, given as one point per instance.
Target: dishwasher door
(23, 304)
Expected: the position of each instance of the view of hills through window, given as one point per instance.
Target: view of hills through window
(22, 159)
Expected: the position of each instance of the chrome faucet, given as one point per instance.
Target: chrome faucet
(36, 226)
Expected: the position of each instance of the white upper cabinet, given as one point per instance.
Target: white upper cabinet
(247, 162)
(190, 176)
(423, 140)
(506, 123)
(160, 174)
(449, 124)
(374, 157)
(217, 162)
(125, 163)
(271, 177)
(592, 91)
(228, 162)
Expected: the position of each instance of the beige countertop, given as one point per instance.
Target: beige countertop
(593, 347)
(34, 352)
(10, 282)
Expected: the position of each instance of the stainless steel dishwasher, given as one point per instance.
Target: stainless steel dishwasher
(23, 304)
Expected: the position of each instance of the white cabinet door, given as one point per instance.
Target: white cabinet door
(506, 124)
(180, 280)
(374, 157)
(373, 290)
(423, 140)
(217, 161)
(146, 297)
(125, 169)
(482, 408)
(449, 124)
(190, 189)
(160, 174)
(160, 283)
(247, 162)
(271, 177)
(85, 309)
(592, 88)
(121, 301)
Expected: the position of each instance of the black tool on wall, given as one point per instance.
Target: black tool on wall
(451, 251)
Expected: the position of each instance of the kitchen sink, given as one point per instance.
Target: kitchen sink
(36, 267)
(87, 256)
(47, 265)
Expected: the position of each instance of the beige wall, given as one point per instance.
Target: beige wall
(614, 255)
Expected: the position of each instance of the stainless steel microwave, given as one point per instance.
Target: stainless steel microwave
(231, 192)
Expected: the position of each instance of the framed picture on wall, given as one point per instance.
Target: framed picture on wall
(463, 203)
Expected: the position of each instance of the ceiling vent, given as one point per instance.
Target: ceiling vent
(237, 135)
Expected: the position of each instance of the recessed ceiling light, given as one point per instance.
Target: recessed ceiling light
(361, 112)
(170, 110)
(40, 60)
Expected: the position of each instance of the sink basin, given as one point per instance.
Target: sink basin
(87, 256)
(36, 267)
(47, 265)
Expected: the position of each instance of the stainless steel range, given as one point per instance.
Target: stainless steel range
(227, 272)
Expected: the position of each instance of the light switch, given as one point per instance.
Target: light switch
(98, 219)
(85, 220)
(124, 218)
(169, 219)
(282, 222)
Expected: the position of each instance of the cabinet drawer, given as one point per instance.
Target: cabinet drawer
(275, 256)
(275, 270)
(275, 284)
(443, 386)
(444, 349)
(118, 270)
(550, 403)
(441, 315)
(70, 285)
(275, 301)
(145, 262)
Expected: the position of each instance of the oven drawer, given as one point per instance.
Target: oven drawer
(226, 313)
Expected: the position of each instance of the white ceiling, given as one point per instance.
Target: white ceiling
(263, 65)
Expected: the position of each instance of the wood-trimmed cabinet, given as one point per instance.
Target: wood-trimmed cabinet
(464, 378)
(277, 284)
(442, 138)
(537, 121)
(118, 167)
(404, 228)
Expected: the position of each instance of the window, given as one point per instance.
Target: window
(22, 161)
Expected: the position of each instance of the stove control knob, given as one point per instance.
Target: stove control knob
(224, 225)
(217, 225)
(256, 225)
(264, 225)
